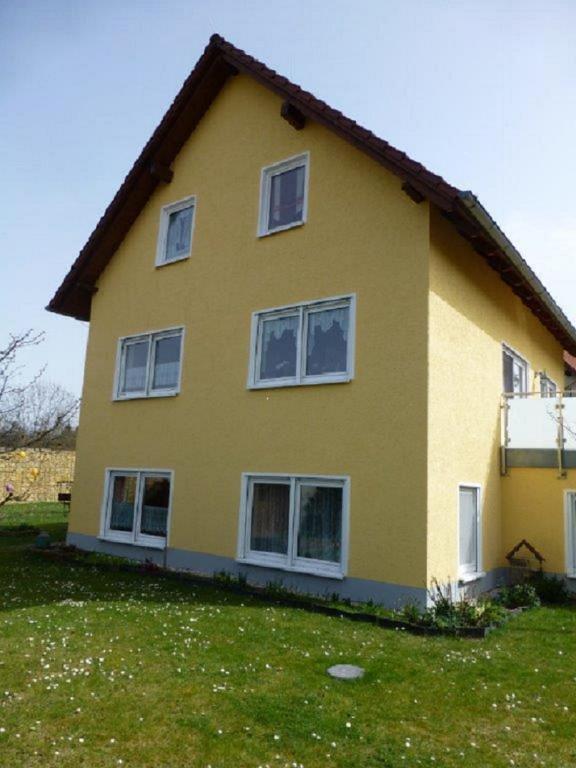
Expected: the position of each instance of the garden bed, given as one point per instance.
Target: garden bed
(367, 613)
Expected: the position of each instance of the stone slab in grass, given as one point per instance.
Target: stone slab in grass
(346, 672)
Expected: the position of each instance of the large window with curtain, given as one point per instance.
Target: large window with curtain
(148, 365)
(469, 531)
(309, 343)
(283, 195)
(137, 506)
(295, 523)
(175, 231)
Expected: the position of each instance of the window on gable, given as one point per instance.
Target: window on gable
(283, 195)
(469, 525)
(136, 507)
(175, 231)
(149, 365)
(303, 344)
(515, 372)
(295, 523)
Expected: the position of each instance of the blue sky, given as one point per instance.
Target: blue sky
(480, 91)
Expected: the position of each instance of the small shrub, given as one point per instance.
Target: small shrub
(228, 579)
(410, 613)
(490, 614)
(518, 596)
(277, 589)
(450, 614)
(550, 589)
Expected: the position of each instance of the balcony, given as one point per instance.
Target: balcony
(539, 431)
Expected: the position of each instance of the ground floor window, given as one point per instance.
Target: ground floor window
(137, 506)
(470, 531)
(570, 522)
(296, 523)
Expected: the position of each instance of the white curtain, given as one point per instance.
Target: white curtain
(135, 364)
(166, 363)
(320, 530)
(278, 340)
(327, 342)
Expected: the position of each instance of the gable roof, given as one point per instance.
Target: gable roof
(220, 61)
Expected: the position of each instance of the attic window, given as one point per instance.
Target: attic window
(175, 232)
(284, 195)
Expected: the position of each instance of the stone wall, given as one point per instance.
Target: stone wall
(37, 471)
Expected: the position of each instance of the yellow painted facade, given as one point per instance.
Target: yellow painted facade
(422, 413)
(534, 504)
(363, 236)
(472, 312)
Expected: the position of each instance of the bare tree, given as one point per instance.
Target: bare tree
(33, 413)
(44, 412)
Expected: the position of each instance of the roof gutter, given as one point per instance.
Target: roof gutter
(481, 216)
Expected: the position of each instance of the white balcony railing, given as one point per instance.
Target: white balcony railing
(538, 431)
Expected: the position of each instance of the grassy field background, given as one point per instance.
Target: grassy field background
(103, 668)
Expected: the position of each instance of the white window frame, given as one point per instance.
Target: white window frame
(291, 562)
(133, 538)
(266, 175)
(507, 349)
(152, 337)
(179, 205)
(546, 382)
(570, 532)
(465, 575)
(303, 309)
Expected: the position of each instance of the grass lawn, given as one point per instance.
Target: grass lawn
(99, 668)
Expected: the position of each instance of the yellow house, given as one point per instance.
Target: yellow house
(298, 347)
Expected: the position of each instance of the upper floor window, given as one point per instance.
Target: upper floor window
(149, 365)
(547, 386)
(175, 233)
(310, 343)
(515, 371)
(284, 195)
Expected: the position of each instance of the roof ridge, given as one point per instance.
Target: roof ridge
(219, 60)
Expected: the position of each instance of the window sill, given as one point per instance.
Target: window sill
(294, 225)
(148, 545)
(324, 573)
(467, 578)
(171, 261)
(310, 382)
(151, 396)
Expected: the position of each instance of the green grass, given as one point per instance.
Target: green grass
(103, 668)
(48, 516)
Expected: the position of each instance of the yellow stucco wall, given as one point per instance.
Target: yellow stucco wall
(533, 500)
(471, 313)
(363, 235)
